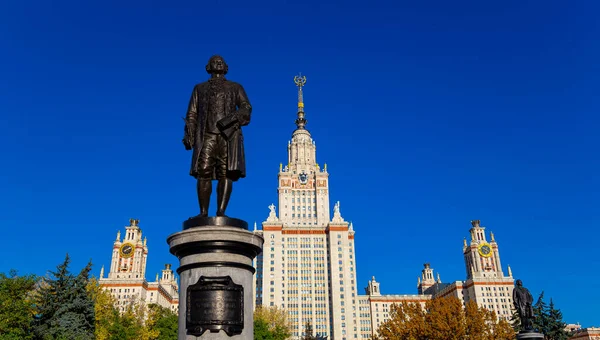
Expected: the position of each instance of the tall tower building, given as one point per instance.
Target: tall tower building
(126, 279)
(308, 264)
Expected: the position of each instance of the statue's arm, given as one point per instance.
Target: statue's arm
(244, 107)
(191, 120)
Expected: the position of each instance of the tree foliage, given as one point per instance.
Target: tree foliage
(443, 318)
(161, 323)
(556, 325)
(540, 318)
(65, 310)
(308, 332)
(16, 306)
(106, 314)
(67, 306)
(271, 323)
(547, 320)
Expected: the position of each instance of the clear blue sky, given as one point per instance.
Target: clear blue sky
(429, 114)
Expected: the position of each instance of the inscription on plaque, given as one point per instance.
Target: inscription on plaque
(215, 304)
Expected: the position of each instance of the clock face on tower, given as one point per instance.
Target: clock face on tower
(485, 250)
(303, 178)
(126, 250)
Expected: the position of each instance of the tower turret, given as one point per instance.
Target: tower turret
(129, 254)
(373, 288)
(482, 258)
(427, 277)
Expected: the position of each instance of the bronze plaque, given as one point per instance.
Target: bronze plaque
(214, 304)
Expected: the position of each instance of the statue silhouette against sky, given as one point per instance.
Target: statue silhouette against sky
(217, 110)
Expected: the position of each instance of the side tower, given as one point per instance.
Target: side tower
(129, 254)
(426, 280)
(126, 280)
(486, 283)
(482, 259)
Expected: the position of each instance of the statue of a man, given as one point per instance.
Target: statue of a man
(523, 303)
(217, 111)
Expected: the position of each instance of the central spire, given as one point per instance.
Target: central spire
(300, 80)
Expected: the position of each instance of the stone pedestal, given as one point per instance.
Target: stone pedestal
(529, 335)
(216, 278)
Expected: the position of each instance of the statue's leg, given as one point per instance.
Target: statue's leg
(207, 162)
(225, 185)
(204, 189)
(224, 189)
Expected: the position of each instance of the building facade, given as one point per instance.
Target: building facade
(485, 281)
(590, 333)
(308, 262)
(307, 266)
(485, 284)
(126, 279)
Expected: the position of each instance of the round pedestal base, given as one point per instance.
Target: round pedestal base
(529, 335)
(216, 273)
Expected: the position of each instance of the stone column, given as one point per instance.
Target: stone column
(215, 270)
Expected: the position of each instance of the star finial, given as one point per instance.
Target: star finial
(300, 81)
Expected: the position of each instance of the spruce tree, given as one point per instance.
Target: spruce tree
(540, 318)
(556, 325)
(65, 309)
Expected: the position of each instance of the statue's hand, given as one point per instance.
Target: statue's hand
(187, 144)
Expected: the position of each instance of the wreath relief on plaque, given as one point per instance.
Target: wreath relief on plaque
(215, 304)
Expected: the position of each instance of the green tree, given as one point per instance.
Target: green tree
(540, 315)
(261, 330)
(271, 323)
(16, 306)
(548, 320)
(161, 323)
(65, 310)
(130, 325)
(106, 313)
(556, 325)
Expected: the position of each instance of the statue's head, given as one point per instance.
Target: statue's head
(217, 65)
(519, 283)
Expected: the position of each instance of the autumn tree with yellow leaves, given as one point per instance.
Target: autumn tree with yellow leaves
(443, 318)
(271, 323)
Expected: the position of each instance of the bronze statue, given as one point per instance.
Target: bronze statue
(218, 109)
(523, 304)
